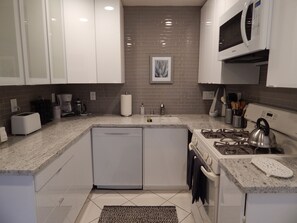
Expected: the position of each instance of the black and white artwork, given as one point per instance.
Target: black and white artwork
(161, 70)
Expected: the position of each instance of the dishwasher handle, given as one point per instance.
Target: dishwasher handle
(118, 133)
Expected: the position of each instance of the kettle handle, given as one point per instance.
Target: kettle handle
(265, 128)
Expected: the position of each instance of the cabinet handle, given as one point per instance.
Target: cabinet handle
(117, 133)
(61, 200)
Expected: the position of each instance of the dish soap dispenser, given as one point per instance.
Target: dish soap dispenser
(142, 109)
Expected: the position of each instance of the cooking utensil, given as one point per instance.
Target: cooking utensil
(213, 111)
(262, 137)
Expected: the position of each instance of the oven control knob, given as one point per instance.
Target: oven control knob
(194, 141)
(205, 155)
(209, 161)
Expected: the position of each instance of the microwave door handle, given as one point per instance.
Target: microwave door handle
(242, 22)
(211, 176)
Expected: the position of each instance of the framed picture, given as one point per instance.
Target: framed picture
(161, 70)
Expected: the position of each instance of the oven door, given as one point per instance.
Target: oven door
(207, 212)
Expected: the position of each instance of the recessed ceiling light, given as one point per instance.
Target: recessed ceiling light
(109, 8)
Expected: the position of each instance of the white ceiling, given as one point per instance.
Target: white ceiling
(163, 2)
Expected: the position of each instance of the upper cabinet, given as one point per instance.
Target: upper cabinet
(55, 24)
(11, 61)
(79, 18)
(34, 39)
(211, 70)
(282, 64)
(110, 41)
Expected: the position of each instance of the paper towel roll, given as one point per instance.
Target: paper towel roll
(126, 104)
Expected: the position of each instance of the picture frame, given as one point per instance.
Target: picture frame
(161, 70)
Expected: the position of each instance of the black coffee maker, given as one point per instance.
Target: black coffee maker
(44, 108)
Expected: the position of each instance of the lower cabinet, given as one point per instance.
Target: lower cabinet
(164, 158)
(55, 194)
(238, 207)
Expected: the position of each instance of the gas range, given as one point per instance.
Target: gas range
(215, 144)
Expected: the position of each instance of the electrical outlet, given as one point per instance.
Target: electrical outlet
(207, 95)
(93, 96)
(53, 98)
(14, 105)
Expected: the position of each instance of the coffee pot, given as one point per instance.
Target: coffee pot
(79, 107)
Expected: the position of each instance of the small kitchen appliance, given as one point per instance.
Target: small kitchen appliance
(65, 104)
(79, 107)
(44, 108)
(25, 123)
(244, 31)
(211, 145)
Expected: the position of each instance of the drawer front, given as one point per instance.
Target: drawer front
(53, 194)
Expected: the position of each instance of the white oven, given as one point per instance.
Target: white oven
(207, 212)
(212, 145)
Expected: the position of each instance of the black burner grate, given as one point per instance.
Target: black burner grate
(243, 148)
(224, 133)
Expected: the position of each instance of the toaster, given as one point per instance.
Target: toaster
(25, 123)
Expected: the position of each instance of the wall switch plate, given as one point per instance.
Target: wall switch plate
(208, 95)
(53, 98)
(14, 105)
(93, 96)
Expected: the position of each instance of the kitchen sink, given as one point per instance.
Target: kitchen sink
(162, 119)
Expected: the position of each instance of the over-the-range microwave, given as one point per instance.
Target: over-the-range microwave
(245, 31)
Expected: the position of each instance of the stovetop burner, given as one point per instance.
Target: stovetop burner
(242, 148)
(224, 133)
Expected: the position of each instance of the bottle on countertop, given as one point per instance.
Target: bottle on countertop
(162, 109)
(142, 109)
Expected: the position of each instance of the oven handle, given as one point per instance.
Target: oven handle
(211, 176)
(242, 22)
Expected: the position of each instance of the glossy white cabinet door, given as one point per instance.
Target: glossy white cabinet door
(34, 39)
(56, 38)
(282, 64)
(79, 18)
(164, 158)
(110, 41)
(11, 61)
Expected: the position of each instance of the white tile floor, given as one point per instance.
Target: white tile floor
(98, 198)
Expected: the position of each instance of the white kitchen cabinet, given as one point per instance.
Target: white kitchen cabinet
(211, 70)
(55, 194)
(110, 41)
(165, 158)
(79, 19)
(282, 64)
(34, 41)
(56, 40)
(236, 206)
(11, 60)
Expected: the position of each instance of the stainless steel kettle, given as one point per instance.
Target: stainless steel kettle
(262, 137)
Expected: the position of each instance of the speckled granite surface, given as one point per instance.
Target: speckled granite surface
(252, 180)
(26, 155)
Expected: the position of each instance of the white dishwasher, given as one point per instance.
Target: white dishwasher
(117, 158)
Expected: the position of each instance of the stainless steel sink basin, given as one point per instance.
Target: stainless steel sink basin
(162, 119)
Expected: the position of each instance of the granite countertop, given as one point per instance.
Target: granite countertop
(252, 180)
(27, 155)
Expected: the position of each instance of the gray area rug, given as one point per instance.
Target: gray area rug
(131, 214)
